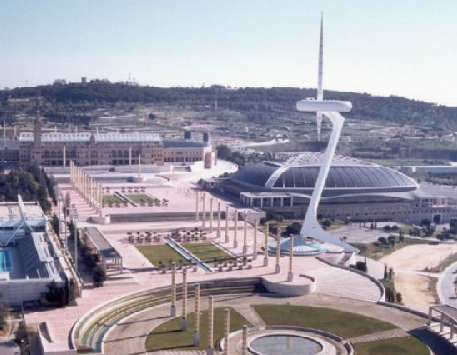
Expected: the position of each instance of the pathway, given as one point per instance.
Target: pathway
(392, 333)
(446, 286)
(128, 337)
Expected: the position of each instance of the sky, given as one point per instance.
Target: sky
(389, 47)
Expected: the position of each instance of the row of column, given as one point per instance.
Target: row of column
(200, 196)
(196, 334)
(90, 190)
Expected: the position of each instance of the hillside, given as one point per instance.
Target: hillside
(260, 105)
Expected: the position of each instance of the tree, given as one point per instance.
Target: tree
(99, 275)
(425, 223)
(4, 313)
(294, 228)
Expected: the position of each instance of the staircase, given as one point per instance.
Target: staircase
(338, 282)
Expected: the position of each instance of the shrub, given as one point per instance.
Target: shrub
(361, 265)
(99, 275)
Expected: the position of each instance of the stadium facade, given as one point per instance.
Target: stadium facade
(354, 189)
(87, 148)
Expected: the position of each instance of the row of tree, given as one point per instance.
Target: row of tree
(32, 183)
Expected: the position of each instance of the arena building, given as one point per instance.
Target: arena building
(354, 189)
(28, 259)
(86, 148)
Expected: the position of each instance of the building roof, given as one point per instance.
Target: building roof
(274, 176)
(86, 136)
(184, 144)
(105, 249)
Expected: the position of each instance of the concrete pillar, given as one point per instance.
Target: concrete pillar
(204, 210)
(430, 310)
(211, 214)
(210, 348)
(442, 322)
(139, 167)
(245, 237)
(290, 275)
(184, 301)
(197, 212)
(256, 226)
(173, 290)
(278, 252)
(267, 234)
(226, 224)
(226, 331)
(218, 221)
(235, 233)
(130, 156)
(244, 344)
(197, 316)
(64, 162)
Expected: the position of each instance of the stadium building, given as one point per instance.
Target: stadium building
(86, 148)
(354, 189)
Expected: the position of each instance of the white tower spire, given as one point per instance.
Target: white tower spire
(320, 88)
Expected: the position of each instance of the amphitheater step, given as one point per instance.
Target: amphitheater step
(392, 333)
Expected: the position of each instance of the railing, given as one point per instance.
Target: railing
(186, 254)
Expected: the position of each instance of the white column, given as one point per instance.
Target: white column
(278, 252)
(197, 316)
(210, 348)
(256, 226)
(173, 290)
(227, 224)
(235, 233)
(226, 331)
(197, 208)
(267, 234)
(211, 214)
(218, 221)
(184, 301)
(245, 236)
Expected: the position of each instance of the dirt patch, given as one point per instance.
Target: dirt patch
(416, 289)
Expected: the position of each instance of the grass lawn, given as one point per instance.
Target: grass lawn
(393, 346)
(340, 323)
(207, 252)
(111, 198)
(377, 250)
(169, 336)
(161, 253)
(141, 198)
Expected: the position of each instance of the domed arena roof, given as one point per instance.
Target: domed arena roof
(299, 174)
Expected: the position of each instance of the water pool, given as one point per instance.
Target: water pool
(5, 261)
(282, 344)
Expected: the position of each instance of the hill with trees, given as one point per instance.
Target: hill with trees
(260, 105)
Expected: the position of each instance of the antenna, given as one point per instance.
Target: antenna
(320, 88)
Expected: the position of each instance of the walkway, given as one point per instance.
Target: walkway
(392, 333)
(128, 337)
(446, 286)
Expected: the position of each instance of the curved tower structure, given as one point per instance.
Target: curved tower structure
(330, 109)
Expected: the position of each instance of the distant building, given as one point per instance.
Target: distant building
(85, 148)
(359, 190)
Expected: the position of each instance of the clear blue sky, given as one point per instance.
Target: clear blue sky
(399, 47)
